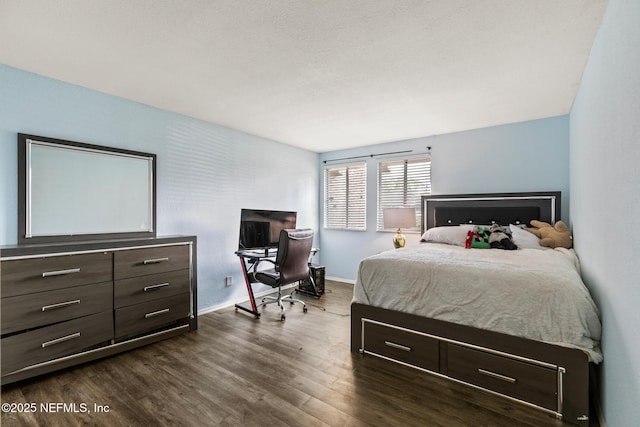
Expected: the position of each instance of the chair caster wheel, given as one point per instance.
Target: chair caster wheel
(304, 309)
(282, 317)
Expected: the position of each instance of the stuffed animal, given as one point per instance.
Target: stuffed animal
(557, 236)
(500, 238)
(478, 238)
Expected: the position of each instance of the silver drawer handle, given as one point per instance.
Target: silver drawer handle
(155, 260)
(61, 339)
(152, 287)
(60, 272)
(498, 376)
(156, 313)
(398, 346)
(60, 305)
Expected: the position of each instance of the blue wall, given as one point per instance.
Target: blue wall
(527, 156)
(605, 195)
(206, 172)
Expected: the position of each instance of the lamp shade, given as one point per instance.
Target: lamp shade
(399, 217)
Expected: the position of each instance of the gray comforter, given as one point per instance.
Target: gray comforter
(536, 294)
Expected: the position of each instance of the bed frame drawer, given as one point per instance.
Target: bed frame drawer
(26, 276)
(52, 342)
(137, 319)
(401, 345)
(44, 308)
(141, 289)
(140, 262)
(518, 379)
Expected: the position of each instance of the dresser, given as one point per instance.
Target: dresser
(64, 304)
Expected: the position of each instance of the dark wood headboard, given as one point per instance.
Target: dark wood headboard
(489, 208)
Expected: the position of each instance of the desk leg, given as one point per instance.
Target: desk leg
(252, 300)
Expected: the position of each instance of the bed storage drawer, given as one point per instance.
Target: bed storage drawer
(137, 319)
(26, 276)
(140, 262)
(521, 380)
(39, 309)
(141, 289)
(401, 345)
(55, 341)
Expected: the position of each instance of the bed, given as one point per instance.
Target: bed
(520, 324)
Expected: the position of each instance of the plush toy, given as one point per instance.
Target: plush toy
(557, 236)
(500, 238)
(478, 238)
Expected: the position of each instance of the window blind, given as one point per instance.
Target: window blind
(401, 184)
(345, 189)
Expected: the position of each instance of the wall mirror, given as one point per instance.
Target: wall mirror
(72, 191)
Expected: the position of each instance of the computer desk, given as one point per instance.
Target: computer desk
(248, 261)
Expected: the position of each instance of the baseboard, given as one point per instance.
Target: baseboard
(340, 279)
(240, 301)
(261, 294)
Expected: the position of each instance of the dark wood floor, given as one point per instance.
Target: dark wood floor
(236, 370)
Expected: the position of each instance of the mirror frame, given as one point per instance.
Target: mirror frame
(23, 191)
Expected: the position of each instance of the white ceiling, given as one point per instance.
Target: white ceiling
(322, 75)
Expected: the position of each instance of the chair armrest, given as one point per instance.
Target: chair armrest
(255, 266)
(263, 260)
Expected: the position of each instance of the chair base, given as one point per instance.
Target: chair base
(279, 299)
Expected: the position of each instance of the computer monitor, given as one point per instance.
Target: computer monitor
(260, 229)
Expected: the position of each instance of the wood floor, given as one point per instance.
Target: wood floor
(239, 371)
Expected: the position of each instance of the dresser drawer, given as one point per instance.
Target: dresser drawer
(52, 342)
(43, 308)
(522, 380)
(402, 345)
(137, 319)
(141, 289)
(26, 276)
(139, 262)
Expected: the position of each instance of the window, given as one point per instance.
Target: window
(345, 196)
(401, 184)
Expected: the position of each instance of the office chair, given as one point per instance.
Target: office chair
(291, 265)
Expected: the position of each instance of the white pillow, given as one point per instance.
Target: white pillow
(523, 239)
(451, 235)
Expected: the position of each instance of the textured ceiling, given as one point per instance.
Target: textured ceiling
(322, 75)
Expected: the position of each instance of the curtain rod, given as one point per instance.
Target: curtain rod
(368, 155)
(373, 155)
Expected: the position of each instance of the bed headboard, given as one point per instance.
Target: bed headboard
(485, 209)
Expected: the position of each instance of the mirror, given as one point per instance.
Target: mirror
(71, 191)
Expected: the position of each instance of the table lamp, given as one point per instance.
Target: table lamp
(399, 218)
